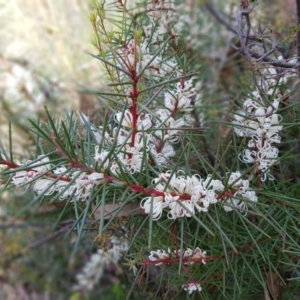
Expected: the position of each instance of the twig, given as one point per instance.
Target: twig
(48, 238)
(244, 37)
(220, 18)
(24, 225)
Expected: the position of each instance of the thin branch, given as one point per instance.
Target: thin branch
(26, 224)
(221, 19)
(244, 37)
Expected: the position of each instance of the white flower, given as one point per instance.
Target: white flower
(192, 287)
(235, 179)
(131, 158)
(157, 206)
(23, 177)
(159, 255)
(169, 66)
(243, 192)
(181, 99)
(144, 121)
(215, 184)
(141, 140)
(196, 255)
(93, 271)
(135, 162)
(189, 256)
(171, 134)
(85, 183)
(184, 209)
(34, 169)
(44, 186)
(96, 266)
(60, 170)
(121, 135)
(161, 153)
(248, 156)
(236, 203)
(65, 189)
(163, 115)
(101, 157)
(125, 119)
(170, 101)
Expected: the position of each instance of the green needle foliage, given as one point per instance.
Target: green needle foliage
(160, 198)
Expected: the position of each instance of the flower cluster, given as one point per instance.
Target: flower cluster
(21, 90)
(143, 137)
(132, 133)
(94, 269)
(185, 195)
(39, 167)
(162, 14)
(188, 257)
(258, 120)
(260, 123)
(47, 181)
(146, 55)
(192, 286)
(134, 137)
(242, 193)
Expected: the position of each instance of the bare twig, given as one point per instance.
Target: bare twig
(24, 225)
(63, 227)
(48, 238)
(244, 37)
(220, 18)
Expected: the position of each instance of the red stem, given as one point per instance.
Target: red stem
(134, 94)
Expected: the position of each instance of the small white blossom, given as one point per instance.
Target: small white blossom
(159, 255)
(169, 131)
(144, 121)
(101, 157)
(65, 189)
(161, 151)
(157, 205)
(181, 98)
(243, 195)
(34, 169)
(44, 186)
(60, 170)
(192, 287)
(85, 184)
(125, 119)
(194, 255)
(121, 135)
(136, 160)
